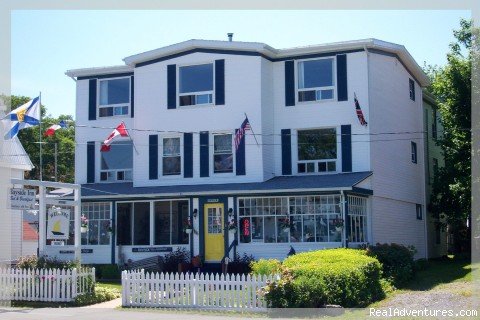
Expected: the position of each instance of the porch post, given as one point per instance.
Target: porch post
(42, 221)
(77, 225)
(343, 201)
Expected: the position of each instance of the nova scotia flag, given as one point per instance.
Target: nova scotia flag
(27, 115)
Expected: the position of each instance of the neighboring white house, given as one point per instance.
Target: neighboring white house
(14, 161)
(310, 158)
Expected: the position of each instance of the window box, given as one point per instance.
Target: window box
(114, 97)
(195, 85)
(316, 80)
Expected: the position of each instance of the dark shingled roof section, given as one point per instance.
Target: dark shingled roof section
(327, 181)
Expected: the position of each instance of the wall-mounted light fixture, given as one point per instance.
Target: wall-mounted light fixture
(195, 212)
(230, 212)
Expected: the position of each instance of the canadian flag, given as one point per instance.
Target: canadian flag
(120, 130)
(51, 130)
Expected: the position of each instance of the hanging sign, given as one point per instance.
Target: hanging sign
(58, 227)
(22, 199)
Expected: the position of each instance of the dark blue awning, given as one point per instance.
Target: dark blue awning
(310, 183)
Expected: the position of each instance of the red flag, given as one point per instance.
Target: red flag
(120, 130)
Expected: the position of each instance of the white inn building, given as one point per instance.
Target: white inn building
(309, 159)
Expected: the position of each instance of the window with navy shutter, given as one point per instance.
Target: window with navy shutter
(346, 138)
(171, 86)
(90, 161)
(411, 85)
(286, 152)
(289, 83)
(92, 99)
(220, 82)
(240, 157)
(153, 157)
(204, 154)
(414, 152)
(188, 155)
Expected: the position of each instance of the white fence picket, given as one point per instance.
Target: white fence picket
(141, 289)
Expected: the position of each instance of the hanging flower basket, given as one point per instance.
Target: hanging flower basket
(188, 230)
(83, 229)
(286, 224)
(338, 223)
(83, 224)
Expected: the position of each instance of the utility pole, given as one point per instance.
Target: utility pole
(55, 161)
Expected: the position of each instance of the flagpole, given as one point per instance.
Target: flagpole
(133, 143)
(40, 131)
(252, 130)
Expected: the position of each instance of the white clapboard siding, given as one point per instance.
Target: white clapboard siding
(51, 285)
(143, 289)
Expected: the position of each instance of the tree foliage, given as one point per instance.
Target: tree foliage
(451, 84)
(64, 139)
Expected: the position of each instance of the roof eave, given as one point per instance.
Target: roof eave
(75, 73)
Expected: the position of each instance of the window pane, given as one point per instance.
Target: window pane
(115, 91)
(120, 156)
(335, 233)
(270, 230)
(162, 222)
(245, 234)
(93, 232)
(106, 112)
(322, 228)
(257, 229)
(331, 166)
(204, 98)
(171, 165)
(223, 163)
(315, 73)
(187, 100)
(141, 223)
(179, 218)
(307, 95)
(282, 236)
(171, 146)
(296, 230)
(317, 144)
(104, 234)
(301, 167)
(325, 94)
(196, 78)
(309, 228)
(124, 224)
(222, 143)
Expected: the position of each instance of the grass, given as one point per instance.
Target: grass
(110, 285)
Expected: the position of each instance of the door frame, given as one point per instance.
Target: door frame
(201, 222)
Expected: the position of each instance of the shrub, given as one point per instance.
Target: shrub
(172, 259)
(100, 294)
(241, 264)
(109, 272)
(397, 262)
(265, 267)
(345, 277)
(33, 262)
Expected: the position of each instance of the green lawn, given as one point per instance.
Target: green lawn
(110, 285)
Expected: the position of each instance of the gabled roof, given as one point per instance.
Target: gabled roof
(265, 51)
(13, 155)
(28, 232)
(310, 183)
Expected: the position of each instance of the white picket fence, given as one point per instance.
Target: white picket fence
(209, 291)
(53, 285)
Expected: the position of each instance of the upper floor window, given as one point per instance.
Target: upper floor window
(414, 152)
(317, 150)
(172, 158)
(222, 153)
(116, 164)
(316, 80)
(411, 85)
(418, 209)
(114, 99)
(196, 84)
(434, 124)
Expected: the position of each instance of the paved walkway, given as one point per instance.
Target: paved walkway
(112, 304)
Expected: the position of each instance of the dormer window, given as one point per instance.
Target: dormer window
(196, 84)
(316, 80)
(114, 97)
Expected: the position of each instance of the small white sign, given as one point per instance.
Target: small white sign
(22, 199)
(58, 227)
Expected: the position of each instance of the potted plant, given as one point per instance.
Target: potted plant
(286, 224)
(197, 261)
(188, 228)
(84, 224)
(338, 223)
(109, 228)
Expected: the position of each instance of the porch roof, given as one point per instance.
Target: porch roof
(310, 183)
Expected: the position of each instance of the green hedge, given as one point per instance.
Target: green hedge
(345, 277)
(266, 267)
(397, 262)
(97, 296)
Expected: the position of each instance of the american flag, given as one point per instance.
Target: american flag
(360, 116)
(241, 132)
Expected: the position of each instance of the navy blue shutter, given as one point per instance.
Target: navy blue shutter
(220, 82)
(204, 154)
(289, 83)
(342, 94)
(187, 155)
(92, 99)
(346, 137)
(172, 86)
(240, 157)
(90, 161)
(132, 97)
(286, 152)
(153, 157)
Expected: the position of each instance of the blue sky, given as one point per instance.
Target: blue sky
(47, 43)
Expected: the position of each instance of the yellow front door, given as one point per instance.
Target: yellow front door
(213, 224)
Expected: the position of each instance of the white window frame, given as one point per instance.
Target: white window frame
(152, 223)
(117, 105)
(114, 171)
(197, 93)
(160, 165)
(90, 219)
(212, 154)
(333, 87)
(337, 161)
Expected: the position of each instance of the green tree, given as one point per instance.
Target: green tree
(64, 139)
(451, 84)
